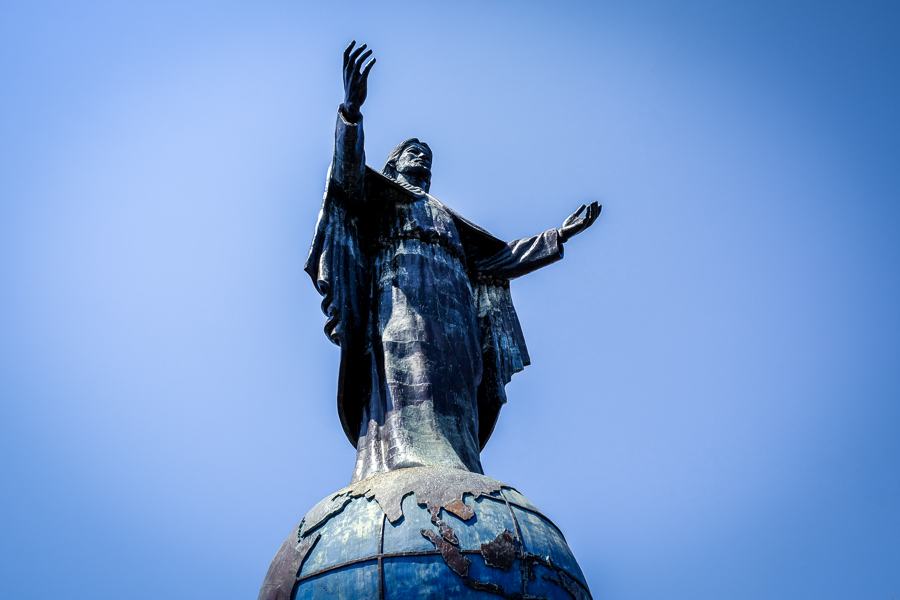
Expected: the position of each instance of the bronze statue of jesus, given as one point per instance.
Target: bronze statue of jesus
(418, 300)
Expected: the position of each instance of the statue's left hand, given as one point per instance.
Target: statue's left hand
(579, 220)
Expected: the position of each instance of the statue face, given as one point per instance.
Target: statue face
(414, 160)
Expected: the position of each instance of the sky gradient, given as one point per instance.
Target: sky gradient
(713, 408)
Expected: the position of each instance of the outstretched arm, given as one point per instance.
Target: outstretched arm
(529, 254)
(349, 165)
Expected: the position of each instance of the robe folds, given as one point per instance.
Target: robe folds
(418, 300)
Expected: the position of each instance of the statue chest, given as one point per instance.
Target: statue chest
(420, 227)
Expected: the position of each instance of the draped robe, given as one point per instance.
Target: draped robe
(418, 300)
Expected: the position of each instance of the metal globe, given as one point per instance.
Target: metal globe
(425, 532)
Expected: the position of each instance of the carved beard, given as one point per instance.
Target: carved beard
(419, 172)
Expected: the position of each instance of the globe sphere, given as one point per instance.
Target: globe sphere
(425, 532)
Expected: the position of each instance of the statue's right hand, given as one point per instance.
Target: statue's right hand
(355, 76)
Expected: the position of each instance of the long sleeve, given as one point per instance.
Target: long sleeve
(334, 263)
(523, 256)
(349, 166)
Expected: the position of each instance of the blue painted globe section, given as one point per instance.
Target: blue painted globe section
(360, 553)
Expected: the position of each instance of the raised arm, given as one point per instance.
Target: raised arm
(348, 168)
(523, 256)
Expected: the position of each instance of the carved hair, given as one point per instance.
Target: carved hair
(390, 167)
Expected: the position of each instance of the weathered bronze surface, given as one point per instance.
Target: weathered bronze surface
(501, 551)
(418, 299)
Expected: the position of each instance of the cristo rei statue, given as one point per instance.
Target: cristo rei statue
(418, 300)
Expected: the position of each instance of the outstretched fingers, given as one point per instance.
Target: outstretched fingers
(347, 52)
(367, 68)
(355, 54)
(593, 211)
(361, 60)
(575, 215)
(356, 70)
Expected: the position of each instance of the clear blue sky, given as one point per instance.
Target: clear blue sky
(714, 405)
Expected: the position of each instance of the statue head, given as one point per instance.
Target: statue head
(413, 159)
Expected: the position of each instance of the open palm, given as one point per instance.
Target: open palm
(355, 78)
